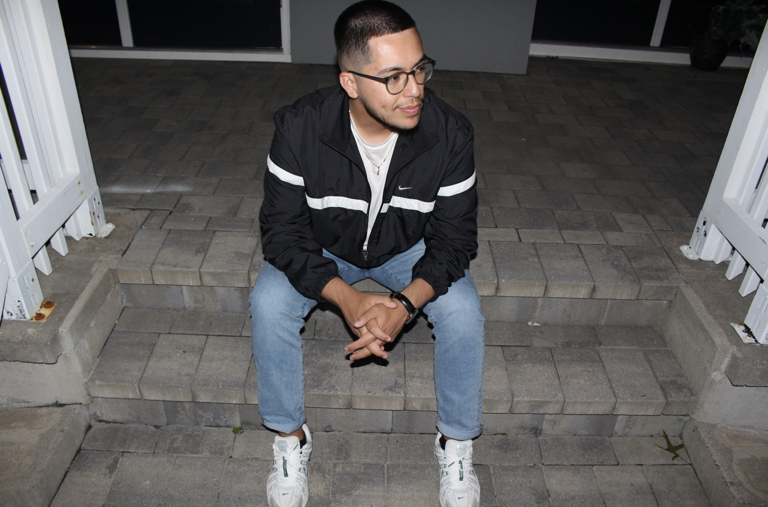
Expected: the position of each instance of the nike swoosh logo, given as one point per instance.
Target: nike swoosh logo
(404, 188)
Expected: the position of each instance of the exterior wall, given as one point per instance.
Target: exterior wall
(481, 36)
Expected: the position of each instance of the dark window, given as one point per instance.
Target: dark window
(612, 22)
(687, 17)
(90, 22)
(205, 24)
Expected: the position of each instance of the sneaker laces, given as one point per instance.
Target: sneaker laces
(289, 470)
(458, 482)
(288, 459)
(458, 468)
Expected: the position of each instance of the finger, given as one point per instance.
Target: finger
(375, 330)
(359, 331)
(363, 342)
(366, 316)
(381, 300)
(376, 349)
(372, 324)
(360, 354)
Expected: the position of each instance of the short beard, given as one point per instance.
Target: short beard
(375, 115)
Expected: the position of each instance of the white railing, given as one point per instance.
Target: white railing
(51, 183)
(732, 221)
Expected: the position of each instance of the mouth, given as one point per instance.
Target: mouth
(411, 110)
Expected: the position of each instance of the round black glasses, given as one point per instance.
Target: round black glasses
(397, 82)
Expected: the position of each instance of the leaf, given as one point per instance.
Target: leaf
(238, 430)
(671, 448)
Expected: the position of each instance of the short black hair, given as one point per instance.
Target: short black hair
(363, 21)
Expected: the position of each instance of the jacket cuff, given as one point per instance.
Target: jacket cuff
(321, 282)
(438, 284)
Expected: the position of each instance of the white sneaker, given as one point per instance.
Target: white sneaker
(458, 482)
(287, 483)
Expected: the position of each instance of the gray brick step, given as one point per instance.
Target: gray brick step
(557, 311)
(503, 266)
(182, 466)
(170, 366)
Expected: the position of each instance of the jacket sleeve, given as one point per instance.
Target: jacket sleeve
(451, 233)
(286, 232)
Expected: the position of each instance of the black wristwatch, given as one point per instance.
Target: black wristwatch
(412, 310)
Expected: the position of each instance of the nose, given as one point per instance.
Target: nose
(412, 88)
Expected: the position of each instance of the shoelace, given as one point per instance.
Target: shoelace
(450, 469)
(460, 470)
(290, 458)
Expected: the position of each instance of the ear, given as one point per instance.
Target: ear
(349, 83)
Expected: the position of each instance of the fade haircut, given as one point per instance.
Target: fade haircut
(363, 21)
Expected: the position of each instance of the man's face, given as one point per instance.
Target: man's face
(391, 53)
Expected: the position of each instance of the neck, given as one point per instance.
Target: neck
(369, 128)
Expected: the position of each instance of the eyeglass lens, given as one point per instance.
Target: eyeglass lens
(397, 82)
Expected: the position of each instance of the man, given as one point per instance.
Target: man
(374, 178)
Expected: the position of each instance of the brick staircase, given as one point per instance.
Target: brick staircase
(570, 349)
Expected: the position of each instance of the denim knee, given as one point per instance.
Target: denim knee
(459, 308)
(274, 301)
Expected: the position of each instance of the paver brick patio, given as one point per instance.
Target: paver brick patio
(603, 164)
(138, 465)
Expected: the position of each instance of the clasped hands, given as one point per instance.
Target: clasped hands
(378, 320)
(374, 319)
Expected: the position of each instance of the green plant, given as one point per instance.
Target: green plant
(738, 21)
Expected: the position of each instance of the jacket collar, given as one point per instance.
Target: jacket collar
(336, 132)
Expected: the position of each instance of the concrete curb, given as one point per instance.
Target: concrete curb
(39, 445)
(82, 335)
(731, 464)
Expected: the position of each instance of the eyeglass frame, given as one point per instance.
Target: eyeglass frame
(383, 80)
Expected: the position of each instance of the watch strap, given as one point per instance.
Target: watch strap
(412, 310)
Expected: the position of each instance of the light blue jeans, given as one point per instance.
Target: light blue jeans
(279, 310)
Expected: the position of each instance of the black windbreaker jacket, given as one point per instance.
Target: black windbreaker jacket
(316, 194)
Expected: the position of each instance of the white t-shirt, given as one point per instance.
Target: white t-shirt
(377, 152)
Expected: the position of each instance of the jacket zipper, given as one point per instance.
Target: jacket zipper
(364, 251)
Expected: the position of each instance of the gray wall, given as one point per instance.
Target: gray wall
(479, 35)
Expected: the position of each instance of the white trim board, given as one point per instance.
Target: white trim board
(159, 54)
(536, 49)
(626, 55)
(285, 27)
(124, 21)
(661, 22)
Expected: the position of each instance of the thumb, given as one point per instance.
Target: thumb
(390, 303)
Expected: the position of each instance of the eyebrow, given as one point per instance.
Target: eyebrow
(389, 70)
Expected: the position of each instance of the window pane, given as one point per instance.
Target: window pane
(206, 24)
(616, 22)
(90, 22)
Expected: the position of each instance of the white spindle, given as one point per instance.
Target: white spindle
(731, 221)
(58, 169)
